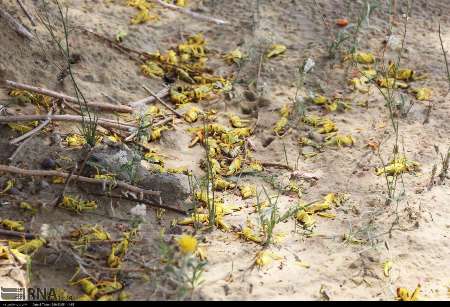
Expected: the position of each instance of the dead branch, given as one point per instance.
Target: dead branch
(157, 124)
(70, 107)
(42, 173)
(18, 149)
(191, 13)
(22, 6)
(163, 122)
(162, 102)
(15, 25)
(17, 234)
(139, 103)
(67, 118)
(276, 165)
(67, 181)
(43, 91)
(34, 131)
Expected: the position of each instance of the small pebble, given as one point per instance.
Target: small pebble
(268, 141)
(44, 184)
(14, 191)
(55, 138)
(316, 137)
(263, 102)
(248, 107)
(250, 96)
(48, 163)
(308, 150)
(176, 230)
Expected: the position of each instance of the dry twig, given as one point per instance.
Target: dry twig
(42, 173)
(162, 102)
(69, 118)
(34, 131)
(161, 94)
(276, 165)
(15, 25)
(43, 91)
(22, 6)
(18, 149)
(11, 233)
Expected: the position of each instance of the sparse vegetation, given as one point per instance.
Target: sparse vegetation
(238, 147)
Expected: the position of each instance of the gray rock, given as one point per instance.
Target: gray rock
(250, 95)
(248, 107)
(316, 137)
(118, 160)
(55, 138)
(174, 187)
(308, 150)
(45, 185)
(127, 166)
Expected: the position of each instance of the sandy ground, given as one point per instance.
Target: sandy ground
(418, 244)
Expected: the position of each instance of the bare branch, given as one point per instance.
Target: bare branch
(162, 102)
(69, 118)
(42, 173)
(142, 102)
(34, 131)
(22, 6)
(15, 25)
(43, 91)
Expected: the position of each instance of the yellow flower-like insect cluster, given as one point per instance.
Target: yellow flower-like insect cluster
(187, 62)
(394, 77)
(397, 166)
(305, 215)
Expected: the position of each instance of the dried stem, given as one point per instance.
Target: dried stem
(22, 6)
(34, 131)
(142, 102)
(15, 25)
(444, 52)
(17, 234)
(276, 165)
(42, 173)
(162, 102)
(69, 118)
(44, 91)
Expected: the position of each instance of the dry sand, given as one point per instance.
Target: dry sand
(418, 245)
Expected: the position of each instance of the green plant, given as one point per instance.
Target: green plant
(141, 136)
(364, 17)
(131, 166)
(194, 186)
(269, 217)
(210, 195)
(444, 52)
(389, 95)
(299, 101)
(340, 38)
(403, 107)
(182, 272)
(285, 154)
(89, 119)
(351, 32)
(445, 160)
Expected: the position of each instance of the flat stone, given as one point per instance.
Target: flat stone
(121, 161)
